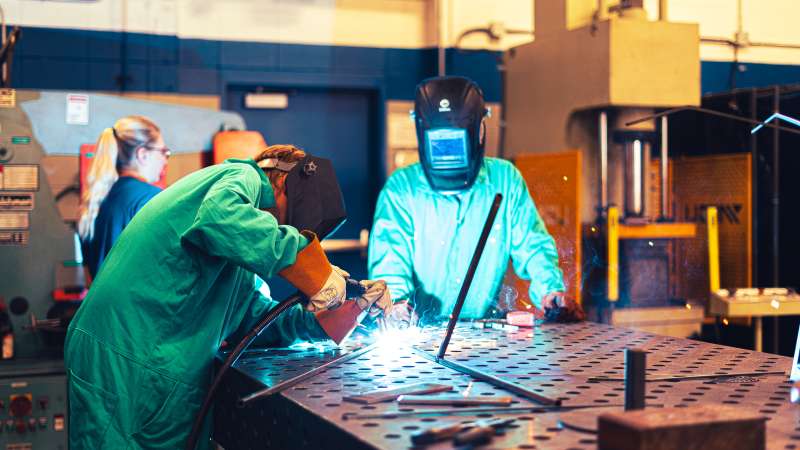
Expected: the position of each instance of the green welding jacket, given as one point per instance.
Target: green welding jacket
(422, 240)
(178, 281)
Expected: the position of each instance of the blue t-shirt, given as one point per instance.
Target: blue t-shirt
(124, 200)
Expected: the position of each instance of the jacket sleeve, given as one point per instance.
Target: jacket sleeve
(230, 226)
(533, 250)
(391, 243)
(295, 324)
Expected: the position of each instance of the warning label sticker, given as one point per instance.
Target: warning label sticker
(14, 220)
(17, 201)
(14, 237)
(19, 177)
(8, 98)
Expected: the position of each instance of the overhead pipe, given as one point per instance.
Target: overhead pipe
(441, 68)
(738, 42)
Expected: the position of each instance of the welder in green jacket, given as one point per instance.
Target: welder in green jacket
(181, 278)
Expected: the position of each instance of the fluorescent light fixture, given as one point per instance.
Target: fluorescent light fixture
(266, 100)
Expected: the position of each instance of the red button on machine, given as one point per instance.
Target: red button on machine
(20, 406)
(58, 422)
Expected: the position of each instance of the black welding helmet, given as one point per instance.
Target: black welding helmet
(448, 113)
(314, 199)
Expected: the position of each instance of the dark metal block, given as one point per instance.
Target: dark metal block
(707, 427)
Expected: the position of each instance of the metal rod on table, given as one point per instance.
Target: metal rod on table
(473, 266)
(491, 379)
(282, 386)
(475, 411)
(635, 364)
(693, 377)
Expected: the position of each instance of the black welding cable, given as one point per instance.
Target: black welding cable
(233, 356)
(473, 266)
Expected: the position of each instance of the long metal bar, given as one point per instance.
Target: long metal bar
(754, 162)
(282, 386)
(603, 137)
(711, 112)
(776, 115)
(491, 379)
(476, 411)
(776, 207)
(664, 167)
(694, 377)
(473, 266)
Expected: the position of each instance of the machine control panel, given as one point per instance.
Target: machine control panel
(33, 411)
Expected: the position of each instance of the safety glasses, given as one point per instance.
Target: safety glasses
(165, 151)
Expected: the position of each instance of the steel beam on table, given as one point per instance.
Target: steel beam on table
(491, 379)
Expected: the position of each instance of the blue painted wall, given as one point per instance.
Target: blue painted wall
(99, 60)
(96, 60)
(716, 76)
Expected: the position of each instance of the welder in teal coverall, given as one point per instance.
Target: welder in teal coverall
(430, 215)
(181, 278)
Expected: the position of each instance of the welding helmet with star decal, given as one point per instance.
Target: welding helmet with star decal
(314, 200)
(448, 114)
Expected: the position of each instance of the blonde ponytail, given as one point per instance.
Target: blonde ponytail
(102, 175)
(114, 151)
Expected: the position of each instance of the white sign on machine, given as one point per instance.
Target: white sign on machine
(77, 109)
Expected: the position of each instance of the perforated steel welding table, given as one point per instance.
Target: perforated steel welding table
(554, 360)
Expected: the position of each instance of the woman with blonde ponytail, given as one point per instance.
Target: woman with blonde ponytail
(129, 157)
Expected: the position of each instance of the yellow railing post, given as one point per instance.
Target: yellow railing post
(713, 248)
(612, 233)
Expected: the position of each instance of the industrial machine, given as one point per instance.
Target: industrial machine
(41, 134)
(592, 71)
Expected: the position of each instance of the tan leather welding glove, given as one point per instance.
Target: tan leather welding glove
(312, 273)
(376, 298)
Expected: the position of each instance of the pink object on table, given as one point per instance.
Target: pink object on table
(520, 318)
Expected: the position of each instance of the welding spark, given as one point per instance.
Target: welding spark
(467, 390)
(395, 337)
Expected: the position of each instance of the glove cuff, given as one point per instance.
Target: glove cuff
(311, 268)
(340, 322)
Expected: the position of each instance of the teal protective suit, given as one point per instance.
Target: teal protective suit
(178, 281)
(424, 240)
